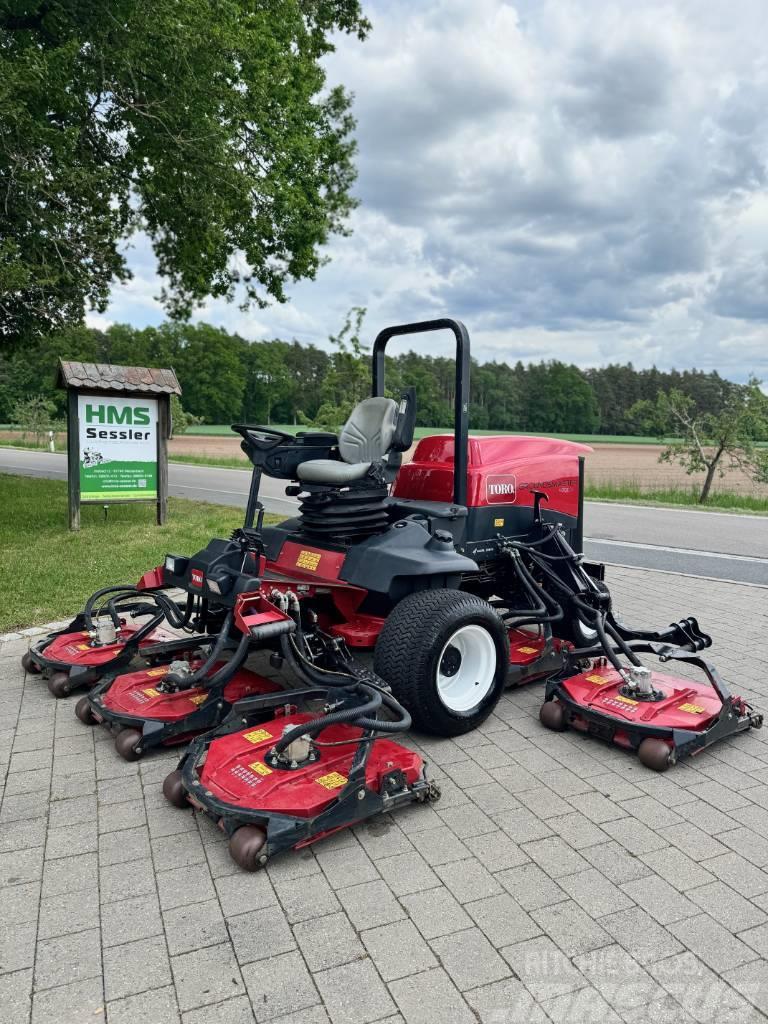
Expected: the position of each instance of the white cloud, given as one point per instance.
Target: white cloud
(580, 180)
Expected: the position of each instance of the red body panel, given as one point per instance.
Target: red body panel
(235, 772)
(134, 693)
(688, 705)
(76, 648)
(360, 631)
(502, 470)
(154, 578)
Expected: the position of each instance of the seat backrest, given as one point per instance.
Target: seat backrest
(367, 435)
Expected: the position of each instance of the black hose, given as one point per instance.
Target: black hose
(225, 673)
(538, 614)
(628, 652)
(186, 682)
(126, 588)
(349, 714)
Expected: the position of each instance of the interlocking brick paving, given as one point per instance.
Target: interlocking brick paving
(557, 879)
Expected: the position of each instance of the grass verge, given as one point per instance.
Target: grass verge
(729, 501)
(49, 572)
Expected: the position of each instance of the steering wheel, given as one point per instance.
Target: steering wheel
(264, 439)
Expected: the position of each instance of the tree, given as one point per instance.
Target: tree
(711, 442)
(181, 420)
(205, 124)
(35, 416)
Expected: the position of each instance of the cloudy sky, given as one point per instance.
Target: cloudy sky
(580, 180)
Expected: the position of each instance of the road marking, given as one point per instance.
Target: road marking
(677, 551)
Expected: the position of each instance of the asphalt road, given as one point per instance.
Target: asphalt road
(714, 544)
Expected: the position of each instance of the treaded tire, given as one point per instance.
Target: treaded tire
(413, 640)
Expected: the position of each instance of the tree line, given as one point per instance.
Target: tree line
(226, 378)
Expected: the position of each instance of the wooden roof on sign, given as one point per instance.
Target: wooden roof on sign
(107, 377)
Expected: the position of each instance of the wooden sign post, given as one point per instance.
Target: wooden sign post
(118, 425)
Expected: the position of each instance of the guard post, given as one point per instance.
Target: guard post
(118, 425)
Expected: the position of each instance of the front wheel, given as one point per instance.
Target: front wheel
(445, 653)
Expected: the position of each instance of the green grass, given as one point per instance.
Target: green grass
(630, 492)
(48, 571)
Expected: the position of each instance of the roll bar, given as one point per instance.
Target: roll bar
(461, 407)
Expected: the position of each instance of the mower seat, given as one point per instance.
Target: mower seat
(365, 438)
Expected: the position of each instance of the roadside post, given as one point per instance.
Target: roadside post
(118, 425)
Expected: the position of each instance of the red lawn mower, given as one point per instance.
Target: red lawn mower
(460, 573)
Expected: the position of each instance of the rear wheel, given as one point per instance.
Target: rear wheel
(59, 685)
(246, 845)
(173, 789)
(128, 744)
(84, 713)
(656, 754)
(552, 715)
(445, 653)
(29, 664)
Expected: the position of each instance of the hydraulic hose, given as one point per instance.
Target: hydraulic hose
(227, 670)
(126, 588)
(541, 598)
(356, 714)
(186, 682)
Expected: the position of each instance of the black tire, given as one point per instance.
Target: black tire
(552, 715)
(84, 712)
(29, 664)
(414, 642)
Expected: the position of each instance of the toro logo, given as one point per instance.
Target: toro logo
(196, 577)
(500, 489)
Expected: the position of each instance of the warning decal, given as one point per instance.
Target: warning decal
(334, 780)
(599, 680)
(308, 560)
(692, 709)
(152, 692)
(528, 650)
(199, 698)
(260, 768)
(257, 736)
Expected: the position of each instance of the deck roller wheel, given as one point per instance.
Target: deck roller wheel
(173, 790)
(59, 685)
(29, 664)
(128, 744)
(84, 713)
(656, 754)
(246, 845)
(552, 715)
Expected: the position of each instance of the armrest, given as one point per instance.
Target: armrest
(320, 439)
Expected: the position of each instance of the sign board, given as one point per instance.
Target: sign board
(118, 448)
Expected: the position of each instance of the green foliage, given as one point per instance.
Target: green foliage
(714, 438)
(34, 415)
(181, 420)
(206, 124)
(348, 378)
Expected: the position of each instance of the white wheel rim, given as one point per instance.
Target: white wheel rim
(466, 668)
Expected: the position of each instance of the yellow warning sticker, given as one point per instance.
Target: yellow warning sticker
(692, 709)
(308, 560)
(334, 780)
(156, 671)
(199, 698)
(260, 768)
(258, 736)
(498, 522)
(597, 679)
(528, 650)
(152, 692)
(83, 647)
(625, 700)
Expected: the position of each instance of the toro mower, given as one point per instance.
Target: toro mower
(460, 572)
(287, 782)
(167, 704)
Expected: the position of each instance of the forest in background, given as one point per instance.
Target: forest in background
(226, 378)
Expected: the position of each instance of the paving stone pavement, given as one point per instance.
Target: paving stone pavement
(556, 880)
